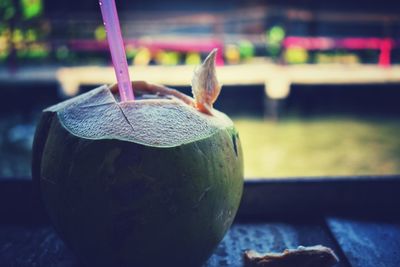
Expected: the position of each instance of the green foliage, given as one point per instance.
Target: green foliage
(246, 49)
(169, 58)
(100, 33)
(4, 41)
(276, 34)
(274, 38)
(193, 59)
(7, 10)
(31, 8)
(296, 55)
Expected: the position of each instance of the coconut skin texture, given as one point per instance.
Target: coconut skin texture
(121, 198)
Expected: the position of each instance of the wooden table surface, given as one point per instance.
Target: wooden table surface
(360, 239)
(357, 242)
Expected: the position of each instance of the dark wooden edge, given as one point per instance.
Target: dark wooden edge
(308, 196)
(300, 197)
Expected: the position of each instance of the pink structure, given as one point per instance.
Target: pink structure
(178, 45)
(385, 45)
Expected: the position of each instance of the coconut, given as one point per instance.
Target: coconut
(152, 182)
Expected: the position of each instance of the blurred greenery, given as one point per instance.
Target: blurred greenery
(31, 8)
(317, 146)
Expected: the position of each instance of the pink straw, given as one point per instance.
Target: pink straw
(117, 48)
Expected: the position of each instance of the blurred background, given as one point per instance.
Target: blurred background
(313, 86)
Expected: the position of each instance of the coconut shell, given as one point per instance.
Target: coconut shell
(148, 183)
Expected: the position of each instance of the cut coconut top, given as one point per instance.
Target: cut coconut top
(161, 122)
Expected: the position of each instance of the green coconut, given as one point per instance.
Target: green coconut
(152, 182)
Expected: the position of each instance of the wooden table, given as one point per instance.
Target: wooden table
(358, 217)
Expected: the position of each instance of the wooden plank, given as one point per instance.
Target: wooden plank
(25, 246)
(270, 237)
(276, 78)
(368, 243)
(304, 196)
(39, 246)
(246, 74)
(28, 75)
(264, 198)
(257, 73)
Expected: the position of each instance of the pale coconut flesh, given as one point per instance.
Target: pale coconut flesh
(152, 182)
(162, 122)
